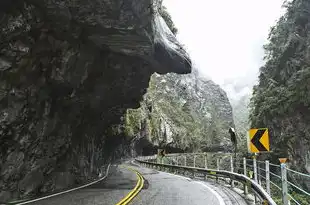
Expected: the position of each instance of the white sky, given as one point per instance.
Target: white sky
(225, 37)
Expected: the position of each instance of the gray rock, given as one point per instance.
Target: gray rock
(75, 67)
(31, 182)
(4, 196)
(4, 65)
(15, 158)
(184, 113)
(12, 167)
(64, 180)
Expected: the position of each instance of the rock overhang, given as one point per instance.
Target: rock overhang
(130, 27)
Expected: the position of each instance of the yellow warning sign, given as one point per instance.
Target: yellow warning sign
(259, 140)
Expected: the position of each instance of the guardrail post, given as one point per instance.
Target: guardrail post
(177, 161)
(206, 163)
(232, 169)
(245, 187)
(267, 177)
(259, 174)
(217, 167)
(284, 184)
(244, 166)
(194, 160)
(185, 161)
(255, 168)
(231, 164)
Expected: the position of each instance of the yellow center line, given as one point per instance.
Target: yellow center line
(135, 191)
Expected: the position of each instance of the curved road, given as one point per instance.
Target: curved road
(159, 189)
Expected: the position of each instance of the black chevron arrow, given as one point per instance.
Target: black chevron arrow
(255, 140)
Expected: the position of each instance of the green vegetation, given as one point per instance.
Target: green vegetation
(281, 100)
(176, 111)
(132, 121)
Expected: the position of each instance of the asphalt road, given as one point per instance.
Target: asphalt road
(159, 188)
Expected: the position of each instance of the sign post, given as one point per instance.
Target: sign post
(258, 143)
(267, 177)
(206, 163)
(245, 173)
(284, 181)
(255, 167)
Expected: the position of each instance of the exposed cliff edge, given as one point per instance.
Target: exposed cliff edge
(69, 69)
(181, 113)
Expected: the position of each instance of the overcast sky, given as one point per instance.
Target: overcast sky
(225, 37)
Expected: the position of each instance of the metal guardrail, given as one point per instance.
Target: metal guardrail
(232, 176)
(278, 181)
(282, 187)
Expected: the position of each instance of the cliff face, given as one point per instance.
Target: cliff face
(69, 69)
(182, 113)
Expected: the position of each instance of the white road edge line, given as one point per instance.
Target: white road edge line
(163, 172)
(67, 191)
(183, 177)
(219, 198)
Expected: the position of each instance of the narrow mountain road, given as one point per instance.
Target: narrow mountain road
(159, 188)
(163, 188)
(110, 191)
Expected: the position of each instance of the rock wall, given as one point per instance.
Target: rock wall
(182, 113)
(69, 69)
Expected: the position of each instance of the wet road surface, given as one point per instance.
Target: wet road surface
(159, 189)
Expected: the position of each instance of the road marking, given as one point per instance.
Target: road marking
(174, 175)
(67, 191)
(135, 191)
(219, 198)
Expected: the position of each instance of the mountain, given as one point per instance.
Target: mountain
(241, 119)
(239, 91)
(182, 113)
(281, 100)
